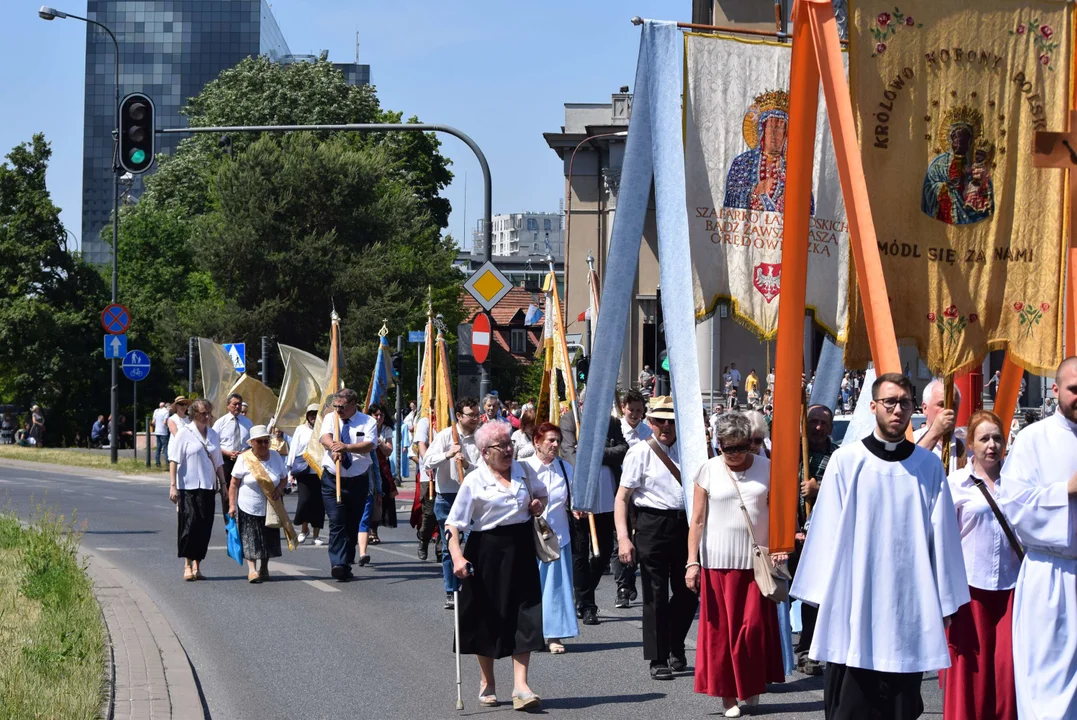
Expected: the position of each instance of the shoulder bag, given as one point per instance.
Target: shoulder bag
(1001, 519)
(664, 457)
(773, 582)
(547, 545)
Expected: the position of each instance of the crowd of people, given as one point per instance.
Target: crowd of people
(908, 570)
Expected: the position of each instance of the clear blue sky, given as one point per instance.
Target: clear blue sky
(500, 71)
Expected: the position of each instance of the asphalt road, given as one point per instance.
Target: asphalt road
(304, 646)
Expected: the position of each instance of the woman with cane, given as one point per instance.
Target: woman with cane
(501, 599)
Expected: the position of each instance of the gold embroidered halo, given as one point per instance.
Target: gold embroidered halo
(770, 100)
(961, 115)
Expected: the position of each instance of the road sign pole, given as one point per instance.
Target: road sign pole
(113, 446)
(484, 382)
(134, 421)
(398, 417)
(148, 441)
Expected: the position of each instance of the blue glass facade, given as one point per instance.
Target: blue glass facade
(169, 49)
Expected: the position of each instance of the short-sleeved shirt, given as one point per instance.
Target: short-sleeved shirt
(197, 458)
(483, 503)
(234, 431)
(251, 498)
(556, 478)
(360, 427)
(420, 434)
(179, 421)
(726, 543)
(160, 421)
(652, 484)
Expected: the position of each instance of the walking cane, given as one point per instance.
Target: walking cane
(456, 622)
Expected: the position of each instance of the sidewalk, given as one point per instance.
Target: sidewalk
(151, 675)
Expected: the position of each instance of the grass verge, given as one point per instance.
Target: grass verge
(77, 458)
(52, 637)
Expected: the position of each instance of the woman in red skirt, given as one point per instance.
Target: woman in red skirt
(980, 681)
(739, 648)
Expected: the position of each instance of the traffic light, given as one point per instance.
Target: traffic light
(263, 362)
(137, 133)
(181, 366)
(398, 364)
(582, 366)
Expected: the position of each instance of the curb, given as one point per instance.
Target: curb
(81, 471)
(151, 675)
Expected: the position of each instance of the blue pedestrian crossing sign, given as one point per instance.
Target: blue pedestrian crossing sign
(136, 365)
(115, 346)
(237, 353)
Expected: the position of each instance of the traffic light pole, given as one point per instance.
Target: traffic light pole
(487, 229)
(113, 433)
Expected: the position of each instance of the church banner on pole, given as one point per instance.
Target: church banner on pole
(947, 99)
(735, 127)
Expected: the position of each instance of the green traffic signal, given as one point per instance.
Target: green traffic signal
(138, 156)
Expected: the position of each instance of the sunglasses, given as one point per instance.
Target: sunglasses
(735, 449)
(663, 421)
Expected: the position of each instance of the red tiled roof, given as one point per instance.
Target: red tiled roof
(516, 300)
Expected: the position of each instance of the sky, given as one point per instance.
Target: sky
(499, 71)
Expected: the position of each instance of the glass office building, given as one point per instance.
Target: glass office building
(169, 49)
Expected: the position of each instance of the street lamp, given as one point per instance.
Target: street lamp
(568, 205)
(48, 13)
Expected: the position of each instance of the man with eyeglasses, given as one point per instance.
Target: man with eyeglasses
(820, 449)
(441, 458)
(651, 481)
(883, 565)
(358, 432)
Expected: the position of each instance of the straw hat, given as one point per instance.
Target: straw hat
(180, 400)
(661, 408)
(258, 432)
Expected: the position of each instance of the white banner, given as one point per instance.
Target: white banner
(736, 115)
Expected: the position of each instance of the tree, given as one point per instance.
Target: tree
(50, 334)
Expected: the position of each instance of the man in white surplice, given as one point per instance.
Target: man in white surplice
(883, 563)
(1039, 498)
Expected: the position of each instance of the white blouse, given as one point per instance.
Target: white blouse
(483, 503)
(178, 422)
(653, 485)
(196, 458)
(251, 498)
(990, 562)
(726, 544)
(297, 462)
(553, 478)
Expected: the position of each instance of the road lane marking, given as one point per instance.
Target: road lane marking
(379, 548)
(108, 497)
(297, 571)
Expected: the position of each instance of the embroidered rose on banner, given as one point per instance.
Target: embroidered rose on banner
(952, 323)
(1029, 315)
(886, 25)
(1041, 36)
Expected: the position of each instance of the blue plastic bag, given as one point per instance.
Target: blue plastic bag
(235, 546)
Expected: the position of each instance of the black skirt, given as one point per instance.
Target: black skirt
(259, 542)
(310, 508)
(501, 604)
(195, 518)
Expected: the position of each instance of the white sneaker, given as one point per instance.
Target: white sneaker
(300, 538)
(733, 711)
(319, 541)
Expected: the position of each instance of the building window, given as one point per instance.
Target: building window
(518, 341)
(532, 224)
(546, 225)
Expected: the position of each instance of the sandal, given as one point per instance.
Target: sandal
(528, 701)
(374, 540)
(254, 578)
(487, 699)
(555, 648)
(188, 574)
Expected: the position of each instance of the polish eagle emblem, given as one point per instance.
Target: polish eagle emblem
(767, 279)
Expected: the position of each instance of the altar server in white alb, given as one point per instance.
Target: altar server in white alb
(883, 563)
(1039, 497)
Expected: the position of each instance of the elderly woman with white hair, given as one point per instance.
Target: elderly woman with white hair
(738, 650)
(500, 601)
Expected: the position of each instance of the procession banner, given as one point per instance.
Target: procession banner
(736, 115)
(218, 374)
(947, 98)
(304, 376)
(261, 401)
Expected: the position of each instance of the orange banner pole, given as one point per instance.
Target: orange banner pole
(800, 159)
(854, 190)
(1008, 391)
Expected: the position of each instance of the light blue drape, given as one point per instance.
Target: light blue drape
(828, 375)
(654, 150)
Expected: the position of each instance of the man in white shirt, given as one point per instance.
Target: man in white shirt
(651, 482)
(1039, 497)
(422, 511)
(358, 433)
(234, 430)
(940, 421)
(160, 430)
(882, 561)
(734, 375)
(446, 458)
(634, 430)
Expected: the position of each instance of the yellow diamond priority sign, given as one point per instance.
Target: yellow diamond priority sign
(488, 285)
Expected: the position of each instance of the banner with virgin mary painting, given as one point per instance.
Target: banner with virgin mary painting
(948, 96)
(736, 115)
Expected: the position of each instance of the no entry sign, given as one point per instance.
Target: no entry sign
(480, 337)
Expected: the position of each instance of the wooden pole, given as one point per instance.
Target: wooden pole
(948, 403)
(804, 447)
(334, 382)
(444, 367)
(789, 353)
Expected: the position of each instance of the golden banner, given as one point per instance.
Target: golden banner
(948, 96)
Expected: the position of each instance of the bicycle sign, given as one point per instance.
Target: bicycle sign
(136, 365)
